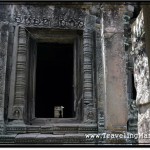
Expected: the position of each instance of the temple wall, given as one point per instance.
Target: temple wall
(104, 66)
(141, 76)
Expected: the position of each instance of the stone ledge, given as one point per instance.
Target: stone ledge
(38, 138)
(46, 139)
(52, 129)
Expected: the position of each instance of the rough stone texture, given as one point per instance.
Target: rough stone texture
(46, 139)
(131, 92)
(49, 16)
(8, 69)
(146, 11)
(141, 76)
(115, 73)
(141, 70)
(144, 111)
(54, 17)
(88, 69)
(100, 30)
(100, 86)
(3, 60)
(132, 127)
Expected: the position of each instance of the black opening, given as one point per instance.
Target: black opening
(133, 89)
(54, 79)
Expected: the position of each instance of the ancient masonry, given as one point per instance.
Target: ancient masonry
(111, 53)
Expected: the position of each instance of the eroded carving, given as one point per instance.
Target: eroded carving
(90, 115)
(50, 17)
(17, 113)
(133, 117)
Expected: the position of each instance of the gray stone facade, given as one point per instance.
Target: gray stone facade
(109, 47)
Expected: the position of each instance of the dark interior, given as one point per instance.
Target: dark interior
(54, 79)
(133, 89)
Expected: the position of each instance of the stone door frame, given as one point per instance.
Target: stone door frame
(53, 36)
(18, 88)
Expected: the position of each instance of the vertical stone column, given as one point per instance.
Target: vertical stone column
(89, 103)
(3, 60)
(100, 76)
(115, 68)
(132, 108)
(19, 76)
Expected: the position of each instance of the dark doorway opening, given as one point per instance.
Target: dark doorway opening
(133, 96)
(54, 80)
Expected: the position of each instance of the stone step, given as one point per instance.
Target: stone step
(52, 129)
(38, 138)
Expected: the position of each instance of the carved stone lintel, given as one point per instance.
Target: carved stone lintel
(53, 17)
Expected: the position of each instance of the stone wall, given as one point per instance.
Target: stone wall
(15, 34)
(104, 96)
(141, 77)
(3, 61)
